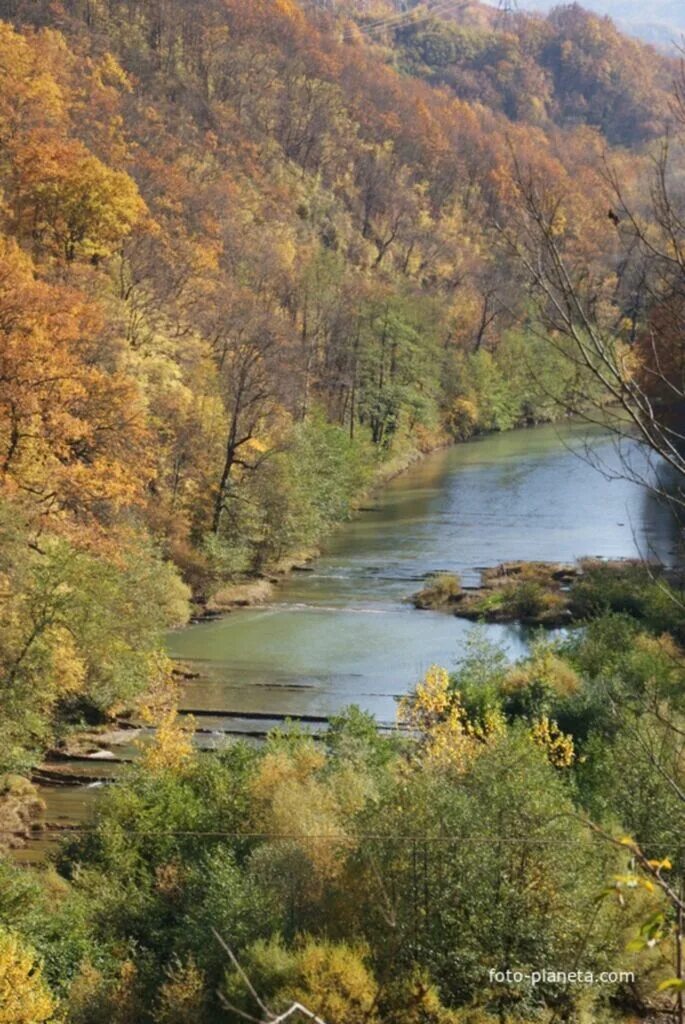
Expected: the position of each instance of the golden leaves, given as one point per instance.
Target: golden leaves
(557, 745)
(71, 433)
(171, 748)
(24, 996)
(449, 739)
(295, 802)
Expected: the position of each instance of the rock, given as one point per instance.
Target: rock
(20, 809)
(240, 595)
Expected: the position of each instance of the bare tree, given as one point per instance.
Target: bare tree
(246, 353)
(619, 313)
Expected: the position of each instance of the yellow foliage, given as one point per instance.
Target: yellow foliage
(109, 72)
(74, 201)
(450, 739)
(66, 664)
(558, 222)
(418, 1001)
(94, 998)
(29, 92)
(278, 767)
(558, 745)
(352, 789)
(462, 418)
(172, 746)
(182, 995)
(24, 996)
(546, 668)
(294, 803)
(335, 983)
(427, 705)
(162, 694)
(662, 649)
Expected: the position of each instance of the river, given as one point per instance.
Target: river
(343, 632)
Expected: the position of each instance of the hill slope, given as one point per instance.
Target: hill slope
(249, 253)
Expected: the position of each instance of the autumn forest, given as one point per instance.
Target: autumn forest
(257, 258)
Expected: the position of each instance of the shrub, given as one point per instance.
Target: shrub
(442, 588)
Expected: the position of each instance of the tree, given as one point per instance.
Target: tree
(487, 872)
(245, 355)
(613, 310)
(330, 979)
(71, 204)
(24, 996)
(71, 432)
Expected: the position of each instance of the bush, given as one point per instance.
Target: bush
(26, 998)
(446, 586)
(441, 589)
(639, 591)
(527, 600)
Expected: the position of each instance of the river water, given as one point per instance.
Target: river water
(344, 633)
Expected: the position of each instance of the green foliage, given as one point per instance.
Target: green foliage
(510, 820)
(330, 868)
(398, 367)
(307, 488)
(489, 384)
(88, 627)
(637, 590)
(526, 379)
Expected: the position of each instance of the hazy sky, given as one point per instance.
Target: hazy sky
(614, 8)
(605, 6)
(658, 21)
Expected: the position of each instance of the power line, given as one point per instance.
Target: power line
(506, 9)
(364, 837)
(408, 17)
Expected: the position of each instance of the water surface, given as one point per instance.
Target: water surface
(345, 633)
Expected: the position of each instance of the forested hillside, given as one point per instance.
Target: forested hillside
(254, 257)
(246, 259)
(568, 69)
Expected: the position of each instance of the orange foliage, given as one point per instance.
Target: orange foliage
(71, 437)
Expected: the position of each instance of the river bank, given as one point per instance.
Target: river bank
(259, 589)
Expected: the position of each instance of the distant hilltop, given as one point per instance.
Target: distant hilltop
(662, 23)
